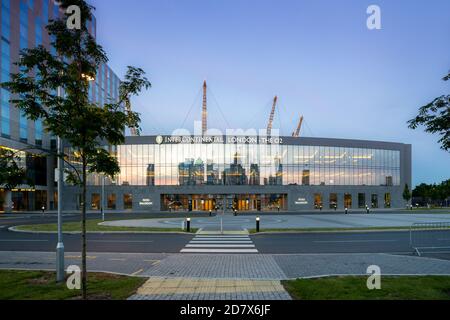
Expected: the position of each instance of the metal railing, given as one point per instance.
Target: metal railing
(429, 237)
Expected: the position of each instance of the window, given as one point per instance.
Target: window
(23, 25)
(127, 201)
(333, 201)
(5, 126)
(347, 200)
(23, 127)
(6, 19)
(318, 204)
(38, 132)
(361, 200)
(374, 201)
(111, 201)
(387, 200)
(95, 201)
(305, 177)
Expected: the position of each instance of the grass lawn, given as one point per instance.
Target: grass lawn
(41, 285)
(93, 225)
(354, 288)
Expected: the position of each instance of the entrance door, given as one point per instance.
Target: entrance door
(347, 200)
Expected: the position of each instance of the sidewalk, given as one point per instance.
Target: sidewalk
(191, 276)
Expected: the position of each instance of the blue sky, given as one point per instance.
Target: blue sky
(317, 56)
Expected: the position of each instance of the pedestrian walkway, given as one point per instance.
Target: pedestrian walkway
(210, 289)
(216, 242)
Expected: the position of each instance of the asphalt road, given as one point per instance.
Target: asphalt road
(282, 243)
(370, 242)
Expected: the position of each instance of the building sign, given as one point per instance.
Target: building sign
(301, 201)
(219, 139)
(146, 202)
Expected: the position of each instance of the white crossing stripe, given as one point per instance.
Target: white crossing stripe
(219, 250)
(220, 244)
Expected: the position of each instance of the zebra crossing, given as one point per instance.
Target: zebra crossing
(219, 243)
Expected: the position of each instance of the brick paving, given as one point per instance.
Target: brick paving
(210, 289)
(226, 276)
(230, 266)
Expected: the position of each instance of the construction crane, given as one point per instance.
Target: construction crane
(296, 133)
(204, 111)
(272, 115)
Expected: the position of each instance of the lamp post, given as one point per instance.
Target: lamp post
(103, 198)
(60, 245)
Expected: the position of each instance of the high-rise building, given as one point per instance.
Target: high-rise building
(22, 26)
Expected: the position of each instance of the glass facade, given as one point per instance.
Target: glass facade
(255, 164)
(5, 66)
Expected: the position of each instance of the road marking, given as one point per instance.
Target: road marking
(137, 272)
(220, 246)
(219, 250)
(22, 240)
(116, 259)
(228, 239)
(219, 236)
(79, 257)
(339, 241)
(219, 242)
(123, 241)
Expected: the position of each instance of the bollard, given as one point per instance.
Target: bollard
(367, 210)
(346, 210)
(257, 224)
(188, 224)
(210, 213)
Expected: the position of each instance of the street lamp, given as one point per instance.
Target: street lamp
(60, 245)
(103, 198)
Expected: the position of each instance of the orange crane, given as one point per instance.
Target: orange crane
(296, 133)
(272, 115)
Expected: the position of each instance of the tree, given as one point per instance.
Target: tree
(435, 116)
(11, 175)
(406, 194)
(87, 127)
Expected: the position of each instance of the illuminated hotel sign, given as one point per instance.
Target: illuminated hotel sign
(146, 202)
(301, 201)
(218, 139)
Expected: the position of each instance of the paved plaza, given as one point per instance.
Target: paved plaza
(332, 220)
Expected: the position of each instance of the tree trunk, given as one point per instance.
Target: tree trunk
(83, 234)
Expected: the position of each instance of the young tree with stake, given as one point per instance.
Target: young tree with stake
(83, 125)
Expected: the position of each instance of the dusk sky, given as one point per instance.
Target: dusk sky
(317, 56)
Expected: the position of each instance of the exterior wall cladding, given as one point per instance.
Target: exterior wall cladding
(23, 26)
(144, 185)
